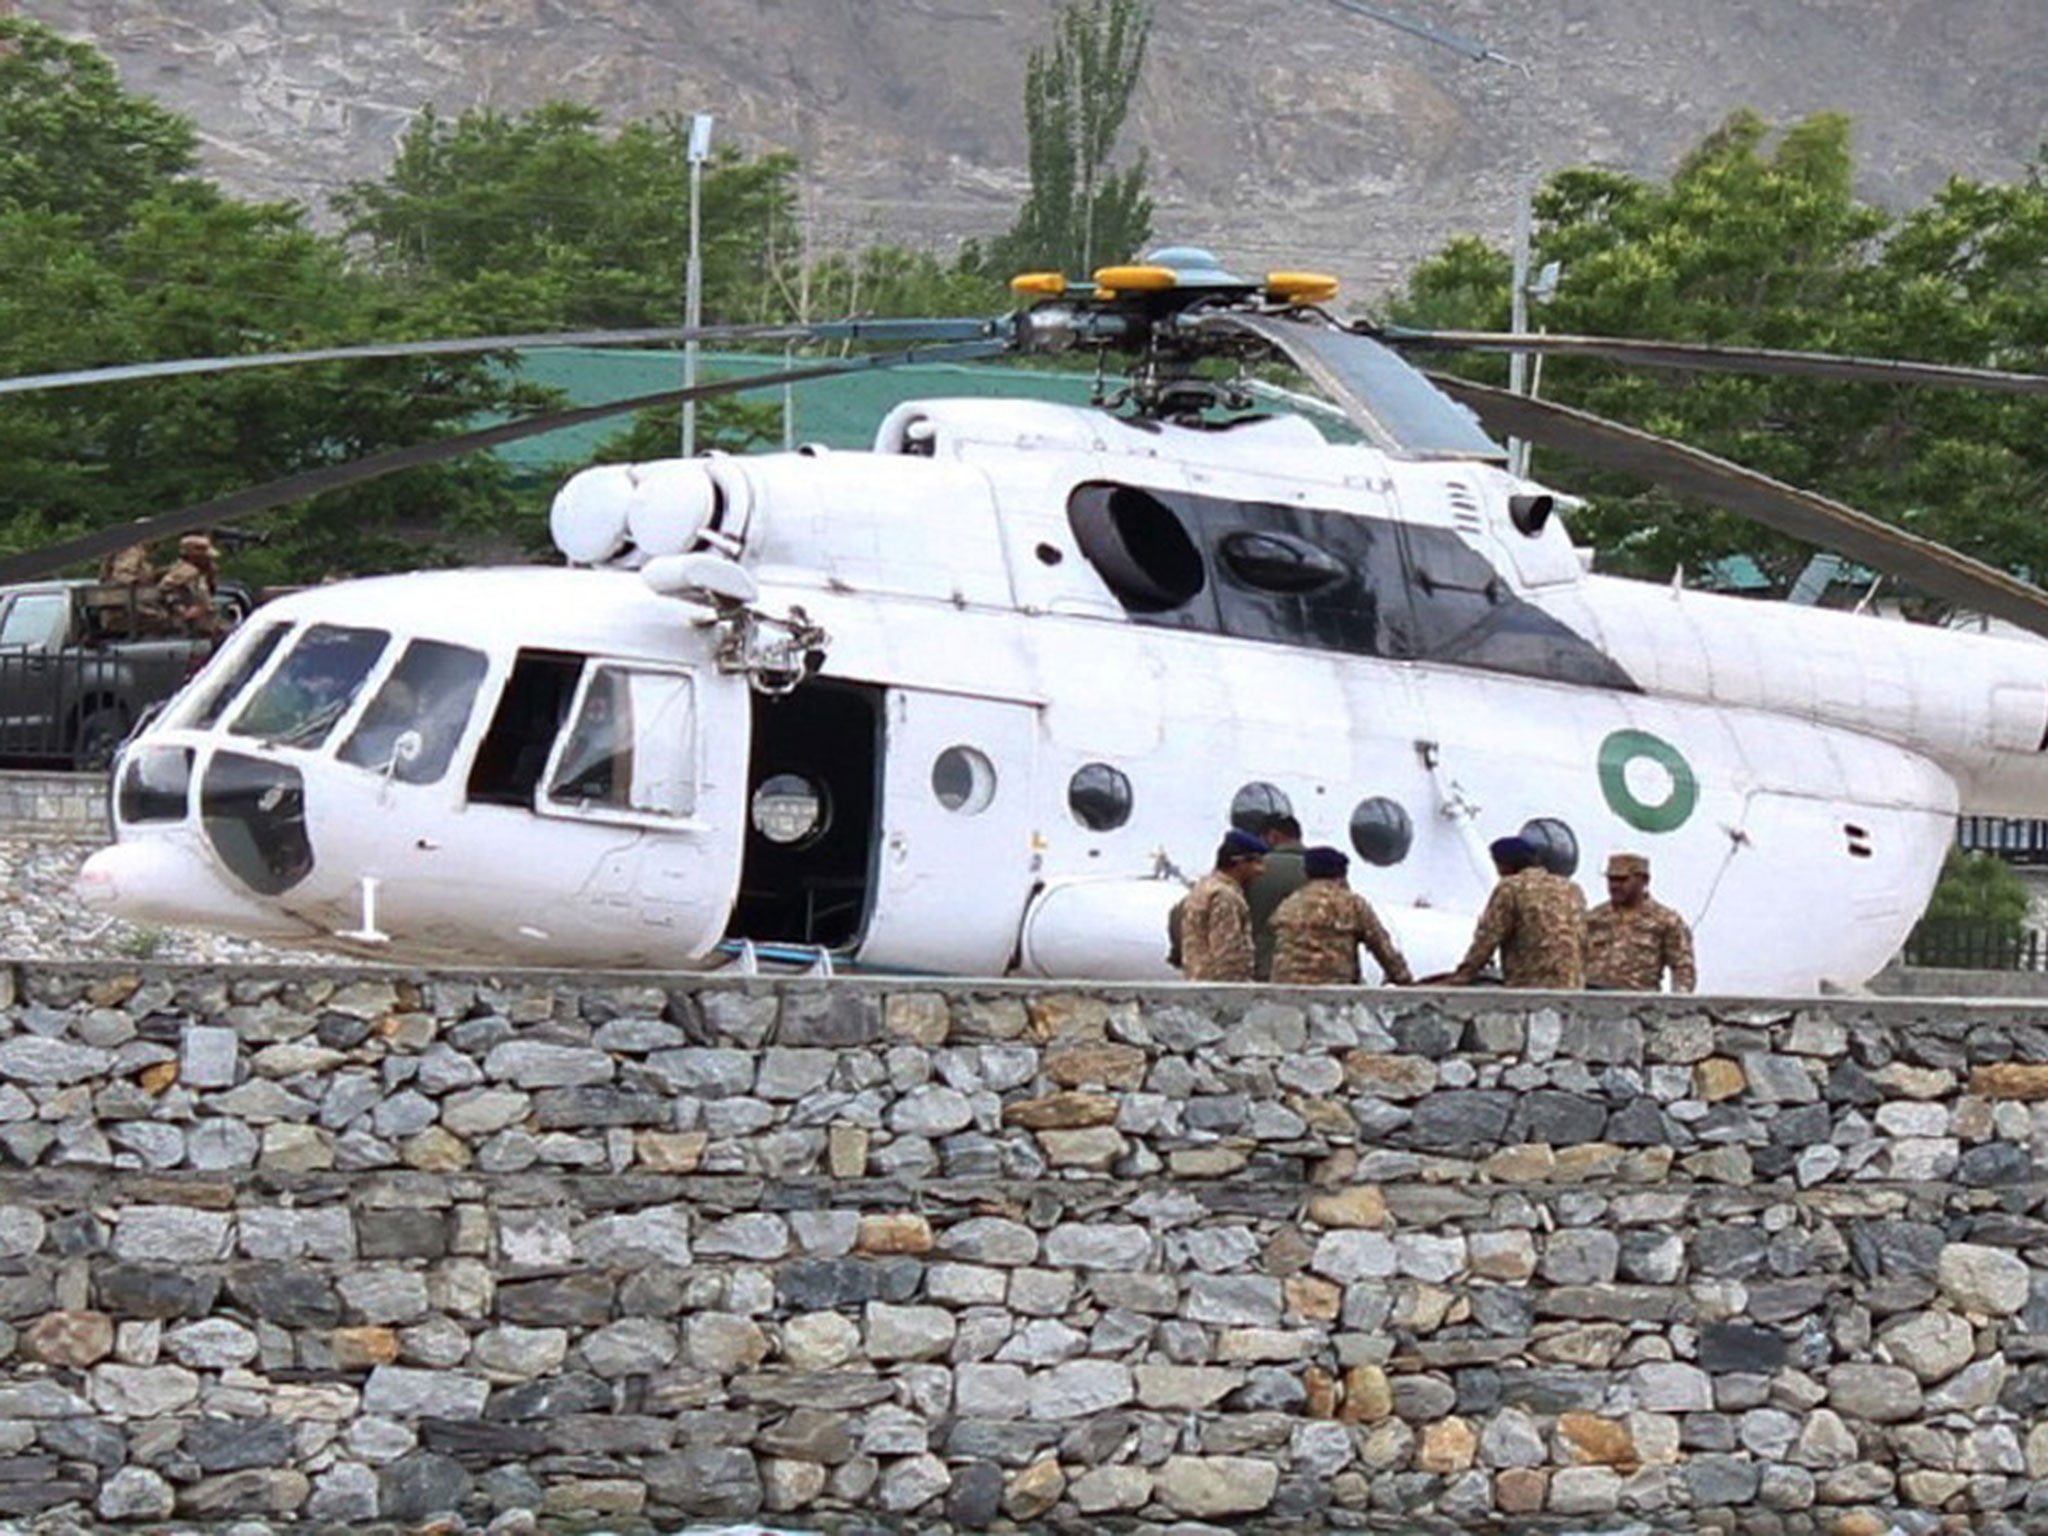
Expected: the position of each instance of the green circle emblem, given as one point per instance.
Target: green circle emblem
(1624, 747)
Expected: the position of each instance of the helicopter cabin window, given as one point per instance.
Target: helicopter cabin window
(514, 751)
(249, 650)
(964, 780)
(1137, 545)
(155, 783)
(630, 746)
(412, 725)
(299, 703)
(1099, 796)
(1381, 831)
(1250, 806)
(1556, 845)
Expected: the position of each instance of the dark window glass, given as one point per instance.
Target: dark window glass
(1137, 544)
(154, 783)
(964, 780)
(1250, 806)
(299, 703)
(1100, 797)
(1557, 847)
(791, 810)
(254, 812)
(514, 751)
(1381, 831)
(248, 661)
(1279, 564)
(412, 725)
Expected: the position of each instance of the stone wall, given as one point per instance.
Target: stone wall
(53, 804)
(352, 1247)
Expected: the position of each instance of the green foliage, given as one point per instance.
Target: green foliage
(1081, 214)
(72, 142)
(1759, 239)
(1979, 888)
(546, 217)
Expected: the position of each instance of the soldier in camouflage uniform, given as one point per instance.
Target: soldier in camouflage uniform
(187, 586)
(1280, 879)
(1536, 920)
(1631, 941)
(1215, 922)
(1317, 930)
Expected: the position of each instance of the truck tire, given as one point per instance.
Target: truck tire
(101, 730)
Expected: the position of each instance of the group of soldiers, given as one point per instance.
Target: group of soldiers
(1272, 910)
(179, 599)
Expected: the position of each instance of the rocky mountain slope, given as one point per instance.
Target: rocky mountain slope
(1282, 132)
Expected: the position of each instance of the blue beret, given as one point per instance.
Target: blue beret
(1244, 844)
(1324, 864)
(1514, 852)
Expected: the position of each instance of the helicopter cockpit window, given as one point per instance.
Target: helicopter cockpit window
(1138, 546)
(249, 650)
(412, 725)
(299, 703)
(630, 746)
(1250, 806)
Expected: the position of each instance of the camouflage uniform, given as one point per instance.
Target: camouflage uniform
(1216, 931)
(187, 593)
(1317, 932)
(1280, 879)
(129, 567)
(1632, 947)
(1537, 921)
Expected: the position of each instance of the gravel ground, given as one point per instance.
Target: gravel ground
(43, 918)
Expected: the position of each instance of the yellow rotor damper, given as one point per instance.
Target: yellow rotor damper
(1300, 287)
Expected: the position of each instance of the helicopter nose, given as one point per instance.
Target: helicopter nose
(160, 882)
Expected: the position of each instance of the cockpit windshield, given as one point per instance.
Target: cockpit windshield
(313, 687)
(413, 724)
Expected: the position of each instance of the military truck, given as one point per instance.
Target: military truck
(80, 662)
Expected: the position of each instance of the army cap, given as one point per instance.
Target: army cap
(1621, 864)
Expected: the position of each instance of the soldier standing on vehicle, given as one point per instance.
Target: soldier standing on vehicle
(1216, 924)
(187, 586)
(1281, 879)
(1317, 930)
(1535, 919)
(1631, 941)
(129, 567)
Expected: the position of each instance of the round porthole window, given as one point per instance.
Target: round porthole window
(1250, 806)
(964, 780)
(1556, 845)
(1099, 796)
(1381, 831)
(790, 809)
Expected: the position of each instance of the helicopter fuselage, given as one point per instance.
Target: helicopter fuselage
(1040, 658)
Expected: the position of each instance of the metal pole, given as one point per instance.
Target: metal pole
(1518, 309)
(693, 304)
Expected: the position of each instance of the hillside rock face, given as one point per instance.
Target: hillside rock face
(1282, 132)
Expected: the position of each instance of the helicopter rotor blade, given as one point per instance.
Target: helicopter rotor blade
(1931, 567)
(1709, 358)
(851, 330)
(333, 477)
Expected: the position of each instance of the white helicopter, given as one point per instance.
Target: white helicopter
(968, 702)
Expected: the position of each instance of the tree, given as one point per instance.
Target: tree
(1081, 213)
(1758, 239)
(117, 251)
(72, 142)
(544, 219)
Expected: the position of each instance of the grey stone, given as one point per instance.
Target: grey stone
(229, 1445)
(539, 1064)
(720, 1482)
(421, 1486)
(1460, 1121)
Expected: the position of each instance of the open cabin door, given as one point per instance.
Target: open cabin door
(955, 864)
(811, 791)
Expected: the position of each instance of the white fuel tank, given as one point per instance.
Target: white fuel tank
(1105, 929)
